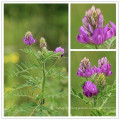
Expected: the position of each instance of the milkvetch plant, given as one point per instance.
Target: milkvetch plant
(96, 91)
(93, 33)
(38, 101)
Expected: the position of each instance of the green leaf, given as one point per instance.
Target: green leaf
(73, 91)
(98, 112)
(27, 50)
(80, 95)
(43, 108)
(109, 44)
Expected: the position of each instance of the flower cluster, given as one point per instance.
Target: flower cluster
(92, 30)
(86, 71)
(89, 89)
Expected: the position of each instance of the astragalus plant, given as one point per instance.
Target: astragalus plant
(44, 82)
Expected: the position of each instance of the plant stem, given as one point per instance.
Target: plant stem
(94, 101)
(43, 81)
(96, 46)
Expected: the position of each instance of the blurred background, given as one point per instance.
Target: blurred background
(43, 20)
(78, 12)
(76, 58)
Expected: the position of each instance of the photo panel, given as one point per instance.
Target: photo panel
(93, 83)
(35, 60)
(93, 26)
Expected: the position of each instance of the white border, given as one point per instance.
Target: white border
(69, 52)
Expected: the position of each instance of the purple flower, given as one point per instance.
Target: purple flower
(104, 66)
(28, 39)
(90, 89)
(83, 37)
(98, 36)
(59, 49)
(113, 27)
(84, 70)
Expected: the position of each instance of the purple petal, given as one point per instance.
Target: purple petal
(113, 27)
(98, 36)
(83, 35)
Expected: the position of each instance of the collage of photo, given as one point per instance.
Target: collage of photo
(60, 60)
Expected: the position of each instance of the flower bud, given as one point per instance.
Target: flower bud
(42, 42)
(101, 79)
(85, 63)
(44, 50)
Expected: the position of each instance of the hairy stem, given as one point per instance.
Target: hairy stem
(43, 81)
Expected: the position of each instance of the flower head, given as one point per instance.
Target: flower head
(104, 66)
(89, 89)
(94, 17)
(84, 70)
(28, 39)
(92, 30)
(59, 49)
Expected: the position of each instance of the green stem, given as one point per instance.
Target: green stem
(43, 81)
(96, 46)
(94, 101)
(43, 84)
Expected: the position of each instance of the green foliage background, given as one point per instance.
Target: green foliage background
(43, 20)
(93, 56)
(78, 12)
